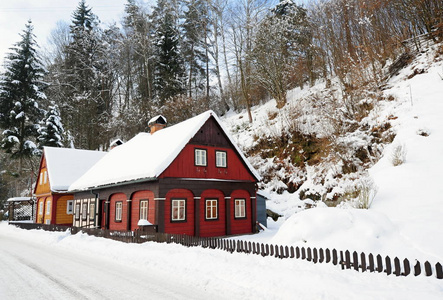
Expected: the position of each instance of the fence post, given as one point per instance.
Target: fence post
(397, 268)
(321, 255)
(347, 259)
(371, 266)
(328, 255)
(355, 260)
(428, 269)
(292, 252)
(335, 257)
(407, 267)
(363, 262)
(379, 264)
(297, 252)
(309, 254)
(272, 249)
(439, 271)
(286, 251)
(388, 265)
(417, 269)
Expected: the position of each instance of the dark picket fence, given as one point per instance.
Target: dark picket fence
(346, 259)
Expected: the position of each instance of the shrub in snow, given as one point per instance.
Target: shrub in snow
(398, 155)
(366, 192)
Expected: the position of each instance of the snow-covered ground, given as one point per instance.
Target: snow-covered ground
(405, 218)
(55, 265)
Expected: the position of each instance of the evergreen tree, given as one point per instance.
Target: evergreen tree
(51, 132)
(195, 44)
(82, 81)
(21, 94)
(169, 71)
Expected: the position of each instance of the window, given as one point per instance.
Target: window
(48, 207)
(91, 210)
(40, 208)
(118, 211)
(77, 211)
(211, 209)
(143, 209)
(200, 157)
(41, 178)
(45, 177)
(178, 211)
(240, 208)
(220, 159)
(84, 211)
(69, 207)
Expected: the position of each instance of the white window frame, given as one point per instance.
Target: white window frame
(200, 157)
(239, 208)
(41, 178)
(210, 204)
(40, 208)
(178, 210)
(221, 159)
(77, 211)
(118, 211)
(69, 207)
(144, 208)
(45, 177)
(84, 211)
(92, 210)
(48, 207)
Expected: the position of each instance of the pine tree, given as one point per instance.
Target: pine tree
(82, 81)
(51, 132)
(194, 44)
(21, 95)
(169, 72)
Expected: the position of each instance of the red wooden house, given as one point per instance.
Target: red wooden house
(189, 178)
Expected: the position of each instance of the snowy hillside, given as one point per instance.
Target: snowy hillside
(405, 217)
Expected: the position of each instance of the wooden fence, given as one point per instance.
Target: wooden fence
(346, 259)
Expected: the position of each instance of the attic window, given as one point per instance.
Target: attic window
(200, 157)
(221, 159)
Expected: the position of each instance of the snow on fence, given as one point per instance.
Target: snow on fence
(346, 259)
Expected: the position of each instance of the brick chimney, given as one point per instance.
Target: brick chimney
(157, 123)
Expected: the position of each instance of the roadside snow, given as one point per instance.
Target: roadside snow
(214, 273)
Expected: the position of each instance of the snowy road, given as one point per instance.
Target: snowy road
(35, 264)
(32, 271)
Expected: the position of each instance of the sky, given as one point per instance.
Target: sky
(14, 15)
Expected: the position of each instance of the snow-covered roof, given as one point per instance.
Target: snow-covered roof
(17, 199)
(146, 156)
(66, 165)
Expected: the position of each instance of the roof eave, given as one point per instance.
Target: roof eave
(110, 185)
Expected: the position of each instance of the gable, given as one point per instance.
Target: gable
(211, 138)
(211, 134)
(42, 184)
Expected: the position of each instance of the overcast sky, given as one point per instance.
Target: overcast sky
(14, 15)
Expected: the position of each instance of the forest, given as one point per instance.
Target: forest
(94, 83)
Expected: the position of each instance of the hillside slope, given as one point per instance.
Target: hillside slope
(404, 218)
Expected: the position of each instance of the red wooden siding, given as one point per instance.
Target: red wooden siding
(209, 228)
(113, 225)
(183, 166)
(135, 214)
(240, 225)
(180, 227)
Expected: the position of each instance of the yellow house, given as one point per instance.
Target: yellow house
(59, 168)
